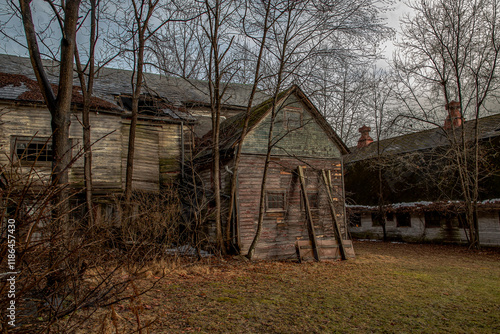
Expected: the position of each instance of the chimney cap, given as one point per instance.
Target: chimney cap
(365, 138)
(364, 128)
(453, 105)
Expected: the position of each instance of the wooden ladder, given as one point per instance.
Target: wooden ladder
(310, 225)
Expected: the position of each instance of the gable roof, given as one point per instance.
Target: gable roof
(427, 139)
(232, 128)
(111, 82)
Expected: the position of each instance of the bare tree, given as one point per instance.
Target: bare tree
(299, 38)
(59, 103)
(140, 21)
(450, 52)
(377, 102)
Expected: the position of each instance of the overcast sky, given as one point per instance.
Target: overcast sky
(14, 27)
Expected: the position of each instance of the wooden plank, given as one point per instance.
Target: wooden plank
(310, 224)
(328, 249)
(327, 180)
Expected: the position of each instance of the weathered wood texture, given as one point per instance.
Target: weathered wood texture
(158, 147)
(307, 210)
(328, 249)
(304, 138)
(281, 229)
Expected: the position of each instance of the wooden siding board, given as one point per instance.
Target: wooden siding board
(278, 239)
(310, 140)
(146, 175)
(31, 121)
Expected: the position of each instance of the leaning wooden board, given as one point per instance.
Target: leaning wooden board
(327, 248)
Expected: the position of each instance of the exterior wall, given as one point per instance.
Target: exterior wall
(282, 229)
(157, 153)
(35, 121)
(309, 140)
(489, 230)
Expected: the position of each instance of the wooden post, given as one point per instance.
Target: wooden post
(310, 224)
(336, 227)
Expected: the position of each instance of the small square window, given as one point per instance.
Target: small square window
(403, 219)
(275, 201)
(390, 216)
(292, 119)
(377, 219)
(432, 219)
(355, 220)
(32, 149)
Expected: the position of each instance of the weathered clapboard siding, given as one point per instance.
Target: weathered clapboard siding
(34, 121)
(106, 158)
(146, 175)
(282, 229)
(169, 154)
(25, 122)
(157, 154)
(309, 140)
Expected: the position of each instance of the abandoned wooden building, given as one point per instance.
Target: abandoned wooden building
(301, 138)
(169, 109)
(418, 190)
(174, 114)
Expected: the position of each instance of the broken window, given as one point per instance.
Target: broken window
(32, 149)
(403, 219)
(275, 200)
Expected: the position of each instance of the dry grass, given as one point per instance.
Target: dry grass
(389, 288)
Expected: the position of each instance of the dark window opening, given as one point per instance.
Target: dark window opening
(355, 220)
(34, 149)
(275, 201)
(432, 219)
(148, 105)
(293, 119)
(403, 219)
(390, 216)
(377, 219)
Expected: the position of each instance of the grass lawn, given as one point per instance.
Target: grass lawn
(388, 288)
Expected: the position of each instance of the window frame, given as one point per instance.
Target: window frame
(286, 122)
(432, 219)
(276, 192)
(354, 220)
(43, 144)
(399, 218)
(378, 219)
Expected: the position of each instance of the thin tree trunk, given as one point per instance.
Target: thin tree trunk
(237, 158)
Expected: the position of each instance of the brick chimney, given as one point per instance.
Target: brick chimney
(454, 118)
(365, 139)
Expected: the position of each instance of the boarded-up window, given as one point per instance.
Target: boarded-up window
(432, 219)
(32, 149)
(403, 219)
(275, 200)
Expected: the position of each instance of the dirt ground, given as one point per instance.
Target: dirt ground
(388, 288)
